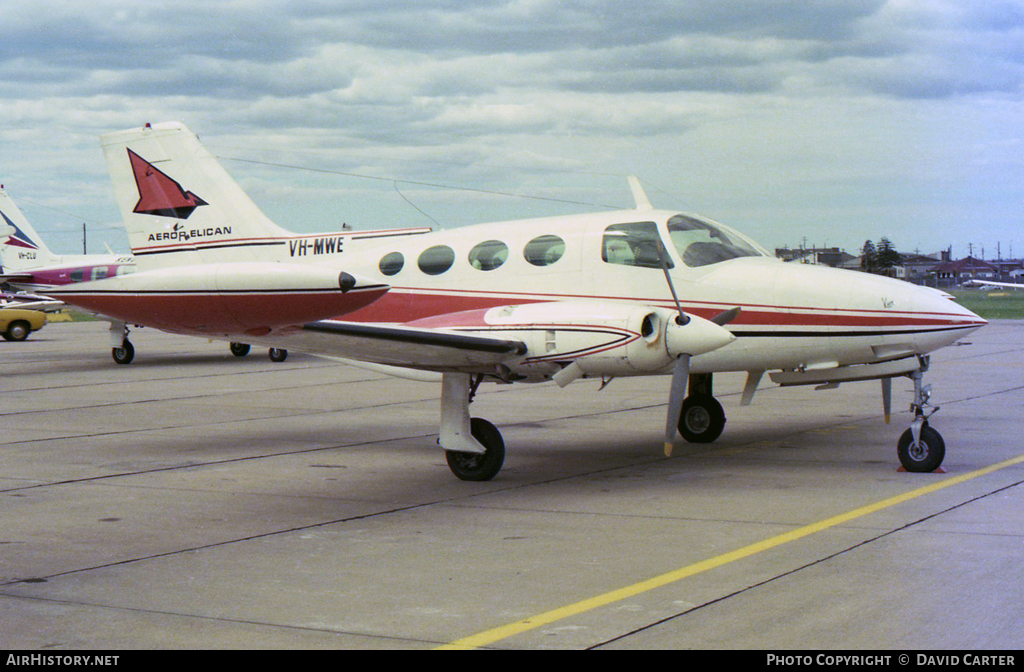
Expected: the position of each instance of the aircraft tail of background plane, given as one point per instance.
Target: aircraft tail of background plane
(178, 203)
(21, 248)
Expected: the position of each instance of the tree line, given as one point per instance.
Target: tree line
(879, 259)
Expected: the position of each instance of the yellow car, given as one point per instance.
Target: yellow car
(16, 323)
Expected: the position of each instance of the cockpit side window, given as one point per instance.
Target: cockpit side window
(701, 243)
(634, 244)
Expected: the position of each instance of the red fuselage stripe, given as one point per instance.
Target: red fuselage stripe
(400, 306)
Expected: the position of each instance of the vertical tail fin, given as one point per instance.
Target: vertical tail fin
(21, 248)
(179, 204)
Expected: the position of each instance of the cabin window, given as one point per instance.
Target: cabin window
(99, 272)
(634, 244)
(125, 269)
(78, 275)
(436, 260)
(700, 242)
(544, 250)
(392, 263)
(488, 255)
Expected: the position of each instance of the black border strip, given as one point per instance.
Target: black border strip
(209, 292)
(846, 334)
(214, 246)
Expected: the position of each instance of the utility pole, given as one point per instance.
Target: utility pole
(85, 249)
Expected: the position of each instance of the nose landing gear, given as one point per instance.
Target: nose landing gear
(921, 448)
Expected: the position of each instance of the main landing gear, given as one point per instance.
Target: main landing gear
(921, 448)
(473, 446)
(702, 418)
(242, 349)
(121, 349)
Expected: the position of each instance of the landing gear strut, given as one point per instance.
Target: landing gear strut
(473, 446)
(921, 448)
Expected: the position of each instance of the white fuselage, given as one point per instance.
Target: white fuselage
(793, 316)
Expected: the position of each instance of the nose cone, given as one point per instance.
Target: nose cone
(926, 305)
(695, 337)
(926, 317)
(946, 309)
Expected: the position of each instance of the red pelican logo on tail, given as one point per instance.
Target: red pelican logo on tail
(160, 195)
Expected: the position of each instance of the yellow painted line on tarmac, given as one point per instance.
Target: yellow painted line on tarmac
(518, 627)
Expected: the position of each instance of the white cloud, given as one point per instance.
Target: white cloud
(796, 116)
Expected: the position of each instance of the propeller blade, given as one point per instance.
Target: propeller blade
(725, 318)
(680, 380)
(887, 398)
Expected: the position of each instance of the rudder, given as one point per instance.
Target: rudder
(21, 248)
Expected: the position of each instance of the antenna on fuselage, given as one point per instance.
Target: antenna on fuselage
(642, 202)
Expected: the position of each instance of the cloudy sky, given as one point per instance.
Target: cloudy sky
(816, 122)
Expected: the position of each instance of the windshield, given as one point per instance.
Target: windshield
(701, 242)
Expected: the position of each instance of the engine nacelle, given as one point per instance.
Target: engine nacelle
(600, 338)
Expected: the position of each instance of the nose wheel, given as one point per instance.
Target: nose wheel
(923, 453)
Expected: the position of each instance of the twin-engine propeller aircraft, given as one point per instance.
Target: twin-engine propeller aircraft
(28, 263)
(627, 293)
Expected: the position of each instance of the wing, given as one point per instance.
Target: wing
(16, 277)
(990, 284)
(410, 347)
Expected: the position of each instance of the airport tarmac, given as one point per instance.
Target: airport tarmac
(194, 500)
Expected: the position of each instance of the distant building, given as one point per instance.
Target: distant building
(918, 267)
(951, 273)
(1007, 267)
(936, 269)
(821, 256)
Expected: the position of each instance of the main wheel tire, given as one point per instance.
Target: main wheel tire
(17, 331)
(927, 456)
(702, 419)
(239, 349)
(476, 467)
(278, 354)
(125, 354)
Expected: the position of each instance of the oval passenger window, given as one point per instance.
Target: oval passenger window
(392, 263)
(488, 255)
(436, 260)
(544, 250)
